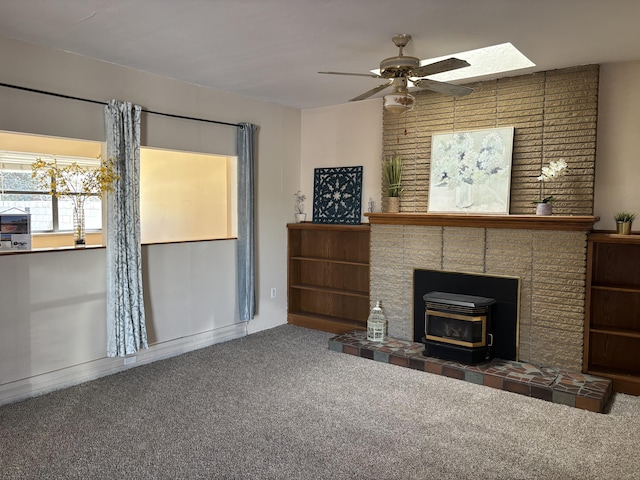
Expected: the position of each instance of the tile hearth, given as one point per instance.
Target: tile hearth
(551, 384)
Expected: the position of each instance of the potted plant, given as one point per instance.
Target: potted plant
(298, 206)
(623, 222)
(544, 203)
(392, 177)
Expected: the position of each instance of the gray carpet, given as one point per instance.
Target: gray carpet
(280, 405)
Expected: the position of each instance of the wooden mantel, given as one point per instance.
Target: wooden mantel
(522, 222)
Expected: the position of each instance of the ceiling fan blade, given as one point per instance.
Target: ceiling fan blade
(373, 91)
(371, 75)
(439, 67)
(441, 87)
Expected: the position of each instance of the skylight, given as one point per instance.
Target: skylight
(483, 62)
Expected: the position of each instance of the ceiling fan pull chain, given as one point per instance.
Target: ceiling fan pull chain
(405, 125)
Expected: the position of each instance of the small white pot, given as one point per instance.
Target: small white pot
(544, 209)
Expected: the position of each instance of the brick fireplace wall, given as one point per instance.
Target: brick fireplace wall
(555, 116)
(551, 266)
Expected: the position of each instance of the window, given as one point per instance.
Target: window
(51, 218)
(48, 212)
(19, 190)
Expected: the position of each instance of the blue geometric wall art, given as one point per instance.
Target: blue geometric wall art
(337, 195)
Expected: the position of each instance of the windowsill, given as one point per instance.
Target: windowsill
(57, 240)
(12, 251)
(175, 242)
(64, 248)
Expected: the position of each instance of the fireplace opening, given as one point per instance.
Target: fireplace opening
(458, 327)
(502, 321)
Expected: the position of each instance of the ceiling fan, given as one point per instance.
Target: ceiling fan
(401, 69)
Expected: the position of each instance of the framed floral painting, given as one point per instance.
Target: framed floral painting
(471, 171)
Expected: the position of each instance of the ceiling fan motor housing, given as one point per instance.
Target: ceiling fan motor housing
(398, 66)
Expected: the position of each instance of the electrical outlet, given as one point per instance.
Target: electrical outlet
(273, 293)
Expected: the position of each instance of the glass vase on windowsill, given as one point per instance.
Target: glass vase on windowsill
(79, 222)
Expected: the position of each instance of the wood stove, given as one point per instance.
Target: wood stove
(458, 327)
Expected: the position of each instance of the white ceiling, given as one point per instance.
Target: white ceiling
(272, 49)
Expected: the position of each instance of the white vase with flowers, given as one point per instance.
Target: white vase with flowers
(556, 168)
(298, 206)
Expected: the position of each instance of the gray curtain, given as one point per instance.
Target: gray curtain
(126, 330)
(245, 245)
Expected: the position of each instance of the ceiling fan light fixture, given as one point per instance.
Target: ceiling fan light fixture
(399, 102)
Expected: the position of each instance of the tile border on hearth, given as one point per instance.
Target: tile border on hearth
(555, 385)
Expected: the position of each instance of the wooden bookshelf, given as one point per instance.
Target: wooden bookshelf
(612, 320)
(328, 276)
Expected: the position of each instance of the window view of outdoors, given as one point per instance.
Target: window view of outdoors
(48, 214)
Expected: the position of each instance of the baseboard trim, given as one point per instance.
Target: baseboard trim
(77, 374)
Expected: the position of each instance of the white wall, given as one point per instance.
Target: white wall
(53, 327)
(618, 148)
(343, 136)
(52, 321)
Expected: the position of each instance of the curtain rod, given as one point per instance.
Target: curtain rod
(59, 95)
